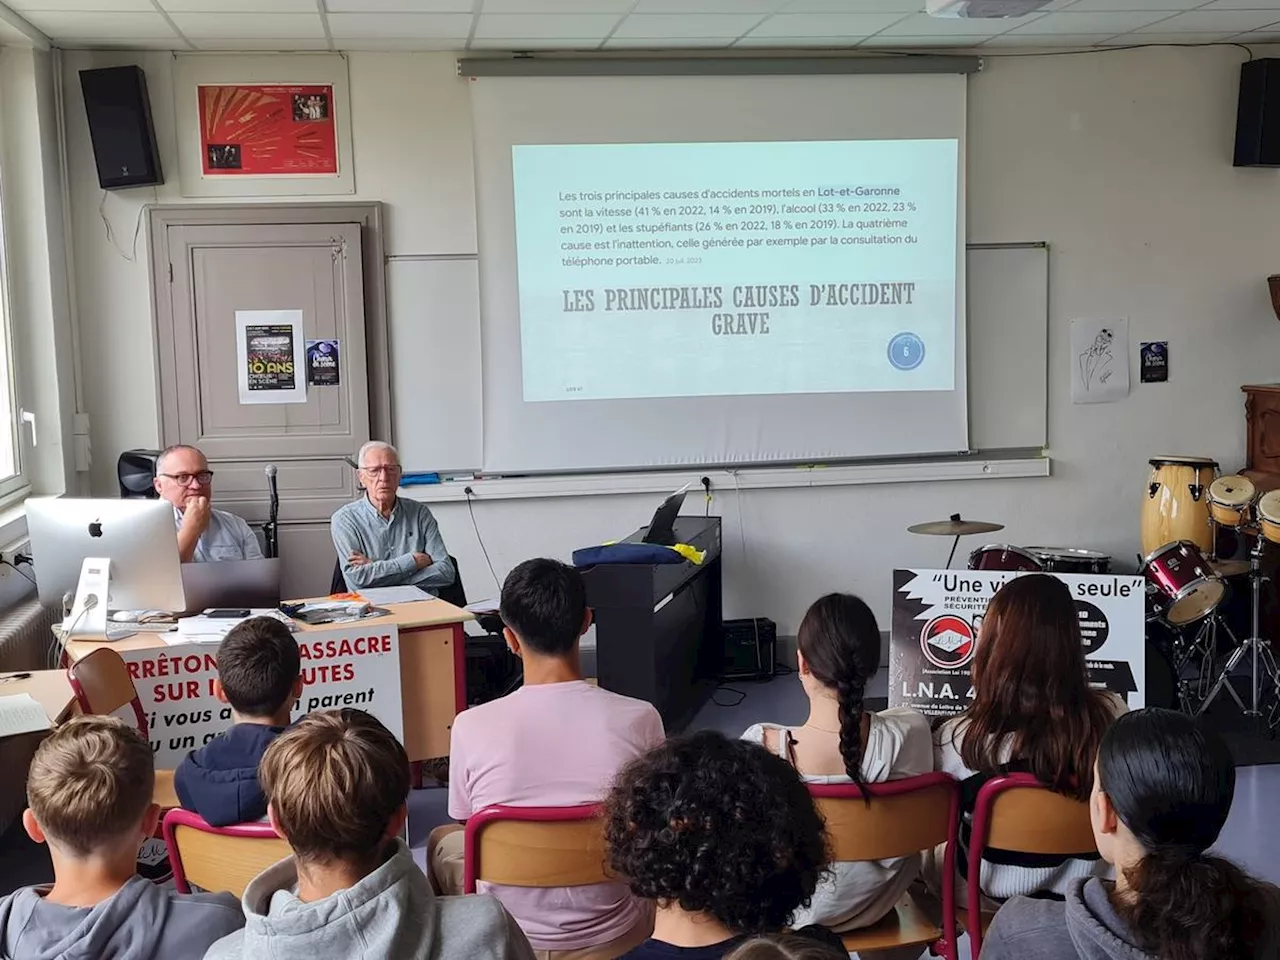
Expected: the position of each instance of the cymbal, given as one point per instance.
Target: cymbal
(1229, 568)
(955, 527)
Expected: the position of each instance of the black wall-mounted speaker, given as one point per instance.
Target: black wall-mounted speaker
(124, 140)
(1258, 115)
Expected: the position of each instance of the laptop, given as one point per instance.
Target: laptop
(232, 584)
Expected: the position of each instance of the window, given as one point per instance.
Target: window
(11, 473)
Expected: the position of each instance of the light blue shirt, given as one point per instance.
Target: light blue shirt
(390, 544)
(227, 537)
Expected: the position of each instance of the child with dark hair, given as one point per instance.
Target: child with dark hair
(721, 835)
(557, 741)
(259, 677)
(1161, 793)
(789, 946)
(838, 652)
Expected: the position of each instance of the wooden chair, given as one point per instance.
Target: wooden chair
(102, 685)
(535, 847)
(219, 859)
(901, 818)
(1018, 813)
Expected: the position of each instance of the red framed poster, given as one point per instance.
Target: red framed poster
(264, 130)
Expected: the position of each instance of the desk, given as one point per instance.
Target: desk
(433, 669)
(52, 691)
(50, 688)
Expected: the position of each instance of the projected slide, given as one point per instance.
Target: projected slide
(706, 269)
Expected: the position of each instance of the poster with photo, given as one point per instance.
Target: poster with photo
(323, 366)
(269, 356)
(937, 619)
(266, 130)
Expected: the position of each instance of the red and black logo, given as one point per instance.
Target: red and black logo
(947, 641)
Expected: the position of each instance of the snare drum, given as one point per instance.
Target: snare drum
(1230, 499)
(1071, 560)
(1176, 505)
(1269, 515)
(1002, 556)
(1181, 584)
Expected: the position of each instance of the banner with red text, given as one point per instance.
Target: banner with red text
(348, 666)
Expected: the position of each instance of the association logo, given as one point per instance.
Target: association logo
(947, 642)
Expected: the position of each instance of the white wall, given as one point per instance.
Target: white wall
(1120, 160)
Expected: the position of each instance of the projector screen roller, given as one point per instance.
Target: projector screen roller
(705, 269)
(720, 270)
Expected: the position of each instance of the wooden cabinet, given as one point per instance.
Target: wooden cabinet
(1262, 449)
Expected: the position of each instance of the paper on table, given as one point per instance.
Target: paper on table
(381, 596)
(21, 713)
(1099, 360)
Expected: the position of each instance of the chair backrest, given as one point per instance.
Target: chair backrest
(1018, 813)
(102, 685)
(535, 847)
(219, 859)
(453, 592)
(898, 817)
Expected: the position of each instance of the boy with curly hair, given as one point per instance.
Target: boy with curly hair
(721, 835)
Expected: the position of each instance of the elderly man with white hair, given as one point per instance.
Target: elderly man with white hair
(384, 540)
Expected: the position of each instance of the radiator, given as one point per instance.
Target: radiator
(26, 641)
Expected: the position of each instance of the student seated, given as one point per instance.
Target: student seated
(557, 741)
(789, 946)
(1161, 794)
(1033, 711)
(721, 835)
(336, 782)
(89, 795)
(258, 677)
(838, 652)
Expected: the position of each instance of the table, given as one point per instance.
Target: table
(51, 689)
(433, 669)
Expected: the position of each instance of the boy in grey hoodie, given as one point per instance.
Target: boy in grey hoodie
(89, 793)
(336, 785)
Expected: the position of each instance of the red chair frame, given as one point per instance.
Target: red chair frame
(947, 946)
(983, 808)
(177, 817)
(482, 818)
(83, 699)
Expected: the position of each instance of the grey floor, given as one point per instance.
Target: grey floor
(1249, 837)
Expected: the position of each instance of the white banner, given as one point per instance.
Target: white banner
(936, 615)
(349, 666)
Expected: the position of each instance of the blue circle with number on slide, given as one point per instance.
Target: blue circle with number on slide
(906, 351)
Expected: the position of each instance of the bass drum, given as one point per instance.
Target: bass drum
(1071, 560)
(1176, 505)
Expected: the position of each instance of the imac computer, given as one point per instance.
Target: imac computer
(108, 554)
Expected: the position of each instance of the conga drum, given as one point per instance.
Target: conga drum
(1176, 505)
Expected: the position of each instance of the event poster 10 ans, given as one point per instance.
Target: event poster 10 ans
(937, 621)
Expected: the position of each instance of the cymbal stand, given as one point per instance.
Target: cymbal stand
(1253, 645)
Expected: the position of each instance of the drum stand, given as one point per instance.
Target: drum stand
(1254, 645)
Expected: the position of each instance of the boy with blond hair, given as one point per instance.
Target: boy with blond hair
(336, 784)
(89, 798)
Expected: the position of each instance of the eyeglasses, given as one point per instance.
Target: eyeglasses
(184, 479)
(381, 471)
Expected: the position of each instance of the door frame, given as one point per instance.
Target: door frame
(368, 215)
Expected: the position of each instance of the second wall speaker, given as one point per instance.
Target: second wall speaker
(1258, 115)
(124, 140)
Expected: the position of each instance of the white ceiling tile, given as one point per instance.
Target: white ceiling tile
(236, 6)
(1112, 22)
(402, 44)
(1139, 39)
(760, 7)
(820, 24)
(241, 44)
(407, 26)
(1218, 21)
(919, 43)
(1056, 40)
(516, 45)
(1239, 5)
(532, 26)
(1170, 6)
(389, 6)
(865, 6)
(667, 43)
(113, 6)
(134, 43)
(58, 24)
(658, 25)
(261, 26)
(784, 43)
(922, 25)
(557, 6)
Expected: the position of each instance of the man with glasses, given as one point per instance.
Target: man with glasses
(184, 479)
(385, 540)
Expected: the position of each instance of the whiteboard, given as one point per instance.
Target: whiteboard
(437, 401)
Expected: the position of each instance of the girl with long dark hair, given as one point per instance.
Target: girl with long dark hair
(1033, 711)
(838, 652)
(1161, 794)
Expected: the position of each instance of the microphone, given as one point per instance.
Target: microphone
(273, 544)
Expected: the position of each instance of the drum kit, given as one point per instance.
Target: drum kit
(1187, 585)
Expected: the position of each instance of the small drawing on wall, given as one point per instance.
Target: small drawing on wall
(1099, 360)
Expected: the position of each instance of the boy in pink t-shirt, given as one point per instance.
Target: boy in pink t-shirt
(556, 741)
